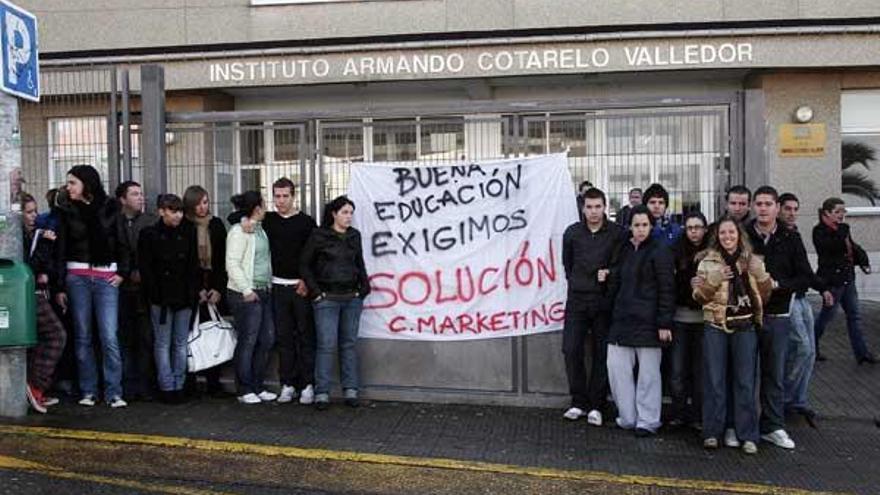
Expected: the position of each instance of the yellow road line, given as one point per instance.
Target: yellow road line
(419, 462)
(15, 464)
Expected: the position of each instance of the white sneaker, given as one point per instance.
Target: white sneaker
(594, 418)
(87, 400)
(730, 439)
(574, 414)
(250, 398)
(779, 438)
(307, 396)
(267, 396)
(288, 393)
(50, 401)
(117, 402)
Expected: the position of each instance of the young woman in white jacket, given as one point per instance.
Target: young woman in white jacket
(249, 266)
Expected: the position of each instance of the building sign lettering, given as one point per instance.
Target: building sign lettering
(470, 63)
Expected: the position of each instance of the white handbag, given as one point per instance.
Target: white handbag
(211, 342)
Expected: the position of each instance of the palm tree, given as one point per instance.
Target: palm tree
(854, 182)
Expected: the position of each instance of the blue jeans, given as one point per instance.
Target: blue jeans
(801, 354)
(255, 327)
(336, 324)
(169, 346)
(847, 297)
(88, 296)
(774, 344)
(726, 354)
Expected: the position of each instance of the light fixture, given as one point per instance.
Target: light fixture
(803, 114)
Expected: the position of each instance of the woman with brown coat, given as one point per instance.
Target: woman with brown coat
(731, 284)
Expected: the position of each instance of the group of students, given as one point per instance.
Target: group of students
(715, 313)
(140, 281)
(719, 308)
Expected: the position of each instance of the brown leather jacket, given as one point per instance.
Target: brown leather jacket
(713, 293)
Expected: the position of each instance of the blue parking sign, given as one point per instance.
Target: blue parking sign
(18, 52)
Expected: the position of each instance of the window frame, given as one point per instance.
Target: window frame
(855, 130)
(51, 160)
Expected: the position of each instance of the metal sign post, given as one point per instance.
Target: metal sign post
(20, 78)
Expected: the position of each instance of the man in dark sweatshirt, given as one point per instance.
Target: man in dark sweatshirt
(786, 259)
(802, 340)
(135, 331)
(589, 247)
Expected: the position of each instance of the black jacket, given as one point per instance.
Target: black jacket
(835, 269)
(786, 260)
(39, 256)
(334, 263)
(128, 231)
(623, 216)
(584, 253)
(644, 288)
(685, 269)
(86, 234)
(169, 265)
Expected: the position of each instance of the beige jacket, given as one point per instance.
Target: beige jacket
(713, 293)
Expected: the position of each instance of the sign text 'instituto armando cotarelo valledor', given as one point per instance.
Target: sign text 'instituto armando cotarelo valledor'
(470, 62)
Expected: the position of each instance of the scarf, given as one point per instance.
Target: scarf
(834, 227)
(739, 297)
(203, 235)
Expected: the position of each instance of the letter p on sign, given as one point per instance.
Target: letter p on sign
(18, 45)
(19, 64)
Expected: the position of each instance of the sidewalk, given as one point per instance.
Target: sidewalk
(842, 455)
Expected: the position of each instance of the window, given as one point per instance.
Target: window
(268, 151)
(860, 150)
(619, 150)
(77, 141)
(394, 141)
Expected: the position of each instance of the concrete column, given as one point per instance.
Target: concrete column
(13, 377)
(153, 133)
(13, 360)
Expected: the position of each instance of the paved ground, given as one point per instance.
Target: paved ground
(842, 455)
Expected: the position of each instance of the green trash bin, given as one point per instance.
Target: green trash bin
(18, 305)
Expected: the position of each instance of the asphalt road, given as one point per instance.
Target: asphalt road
(35, 465)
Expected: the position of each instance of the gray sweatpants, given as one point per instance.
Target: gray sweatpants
(639, 398)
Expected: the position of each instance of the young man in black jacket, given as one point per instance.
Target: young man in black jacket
(802, 341)
(135, 332)
(737, 199)
(635, 199)
(288, 229)
(786, 260)
(838, 256)
(589, 248)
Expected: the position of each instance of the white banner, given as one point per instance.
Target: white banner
(467, 251)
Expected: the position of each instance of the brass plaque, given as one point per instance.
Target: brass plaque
(802, 140)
